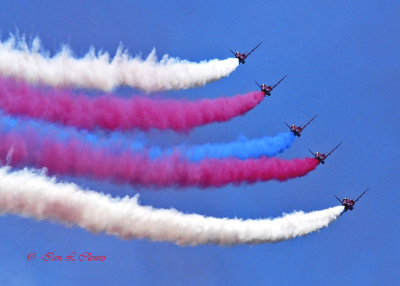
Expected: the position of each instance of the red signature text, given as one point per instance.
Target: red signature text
(73, 256)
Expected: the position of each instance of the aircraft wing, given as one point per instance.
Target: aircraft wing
(288, 126)
(258, 84)
(333, 149)
(308, 122)
(232, 53)
(279, 81)
(311, 152)
(248, 54)
(339, 200)
(361, 195)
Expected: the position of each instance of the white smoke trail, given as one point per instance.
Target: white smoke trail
(100, 72)
(34, 195)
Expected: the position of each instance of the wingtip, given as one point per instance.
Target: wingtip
(338, 199)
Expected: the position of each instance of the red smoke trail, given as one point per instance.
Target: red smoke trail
(110, 112)
(77, 159)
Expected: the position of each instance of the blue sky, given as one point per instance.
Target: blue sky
(343, 62)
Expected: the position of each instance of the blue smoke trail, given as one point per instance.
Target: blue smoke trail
(242, 148)
(114, 141)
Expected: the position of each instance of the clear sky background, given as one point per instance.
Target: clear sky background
(343, 62)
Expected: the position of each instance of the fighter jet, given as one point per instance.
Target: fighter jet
(267, 88)
(322, 157)
(241, 57)
(349, 203)
(297, 129)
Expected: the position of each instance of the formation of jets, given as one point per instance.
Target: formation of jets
(321, 157)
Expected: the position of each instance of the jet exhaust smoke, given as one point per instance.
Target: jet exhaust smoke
(32, 194)
(117, 142)
(100, 71)
(243, 148)
(112, 113)
(112, 141)
(22, 144)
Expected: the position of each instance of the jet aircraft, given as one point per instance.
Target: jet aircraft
(349, 203)
(322, 157)
(241, 57)
(297, 129)
(267, 88)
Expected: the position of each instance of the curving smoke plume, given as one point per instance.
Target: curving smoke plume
(112, 141)
(243, 148)
(112, 113)
(22, 144)
(34, 195)
(117, 142)
(102, 72)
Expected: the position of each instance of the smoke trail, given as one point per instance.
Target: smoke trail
(242, 148)
(101, 72)
(112, 141)
(111, 113)
(78, 158)
(117, 142)
(34, 195)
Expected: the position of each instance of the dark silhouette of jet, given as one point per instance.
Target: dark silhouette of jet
(322, 157)
(241, 57)
(267, 88)
(297, 129)
(349, 203)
